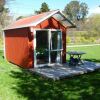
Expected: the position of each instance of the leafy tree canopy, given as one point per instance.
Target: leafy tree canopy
(20, 17)
(4, 15)
(44, 8)
(2, 3)
(92, 25)
(76, 10)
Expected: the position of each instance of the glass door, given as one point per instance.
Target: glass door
(47, 47)
(42, 53)
(56, 47)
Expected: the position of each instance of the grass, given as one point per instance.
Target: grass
(80, 43)
(19, 84)
(92, 52)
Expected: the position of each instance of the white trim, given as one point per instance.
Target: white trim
(49, 37)
(55, 29)
(62, 39)
(62, 14)
(36, 29)
(38, 22)
(47, 17)
(4, 48)
(62, 44)
(34, 45)
(58, 30)
(35, 60)
(56, 50)
(51, 64)
(44, 18)
(49, 40)
(66, 18)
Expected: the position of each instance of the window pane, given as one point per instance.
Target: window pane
(42, 54)
(59, 40)
(55, 56)
(56, 40)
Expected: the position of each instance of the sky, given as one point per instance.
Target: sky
(28, 7)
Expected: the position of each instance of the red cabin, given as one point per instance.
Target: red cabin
(38, 40)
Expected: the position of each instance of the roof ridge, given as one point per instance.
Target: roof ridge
(26, 18)
(33, 20)
(37, 15)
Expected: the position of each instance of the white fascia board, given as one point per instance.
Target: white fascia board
(62, 14)
(66, 18)
(38, 22)
(23, 26)
(4, 50)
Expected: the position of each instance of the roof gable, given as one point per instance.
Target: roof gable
(35, 20)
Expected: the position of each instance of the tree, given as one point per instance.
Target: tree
(4, 18)
(83, 10)
(2, 3)
(44, 8)
(92, 25)
(76, 10)
(4, 15)
(72, 9)
(20, 17)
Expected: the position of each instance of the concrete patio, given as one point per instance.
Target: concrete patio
(59, 71)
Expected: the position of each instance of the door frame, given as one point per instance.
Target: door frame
(49, 40)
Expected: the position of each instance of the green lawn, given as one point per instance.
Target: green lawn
(18, 84)
(92, 52)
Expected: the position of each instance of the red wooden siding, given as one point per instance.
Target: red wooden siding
(19, 43)
(17, 48)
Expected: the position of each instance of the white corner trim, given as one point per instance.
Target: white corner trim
(4, 49)
(34, 45)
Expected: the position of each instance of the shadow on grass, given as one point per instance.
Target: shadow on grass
(93, 60)
(34, 87)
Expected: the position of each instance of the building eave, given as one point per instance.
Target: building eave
(43, 19)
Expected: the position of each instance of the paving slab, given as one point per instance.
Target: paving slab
(59, 71)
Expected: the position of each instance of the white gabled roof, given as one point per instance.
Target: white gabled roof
(37, 19)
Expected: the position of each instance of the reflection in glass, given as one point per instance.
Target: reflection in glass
(56, 40)
(48, 47)
(42, 53)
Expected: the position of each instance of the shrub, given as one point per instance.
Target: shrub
(68, 39)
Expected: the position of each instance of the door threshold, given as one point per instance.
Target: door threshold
(51, 65)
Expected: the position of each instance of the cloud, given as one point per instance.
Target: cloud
(95, 10)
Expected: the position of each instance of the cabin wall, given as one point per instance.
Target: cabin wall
(19, 43)
(18, 48)
(54, 24)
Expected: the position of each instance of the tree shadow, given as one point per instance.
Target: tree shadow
(93, 60)
(34, 87)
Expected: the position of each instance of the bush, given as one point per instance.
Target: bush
(82, 37)
(1, 43)
(92, 39)
(68, 39)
